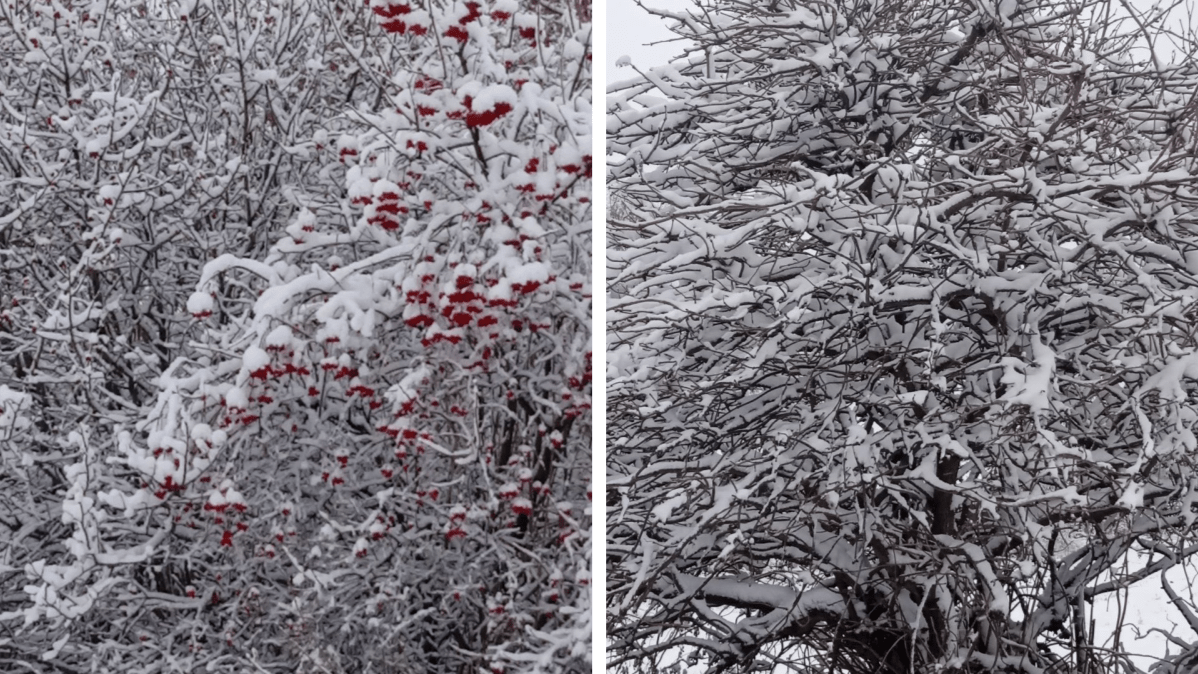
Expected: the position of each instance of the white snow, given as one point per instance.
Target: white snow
(280, 337)
(254, 358)
(236, 398)
(533, 271)
(662, 511)
(200, 303)
(490, 96)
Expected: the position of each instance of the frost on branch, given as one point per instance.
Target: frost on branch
(901, 337)
(295, 289)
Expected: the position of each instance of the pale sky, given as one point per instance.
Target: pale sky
(630, 28)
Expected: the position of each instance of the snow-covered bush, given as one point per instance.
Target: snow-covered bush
(904, 297)
(335, 412)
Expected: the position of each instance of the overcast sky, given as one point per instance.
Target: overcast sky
(630, 29)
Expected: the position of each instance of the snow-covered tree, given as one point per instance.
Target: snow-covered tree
(304, 381)
(902, 357)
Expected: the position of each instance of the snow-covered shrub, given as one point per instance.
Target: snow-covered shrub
(904, 295)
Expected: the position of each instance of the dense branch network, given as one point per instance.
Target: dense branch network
(901, 329)
(296, 336)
